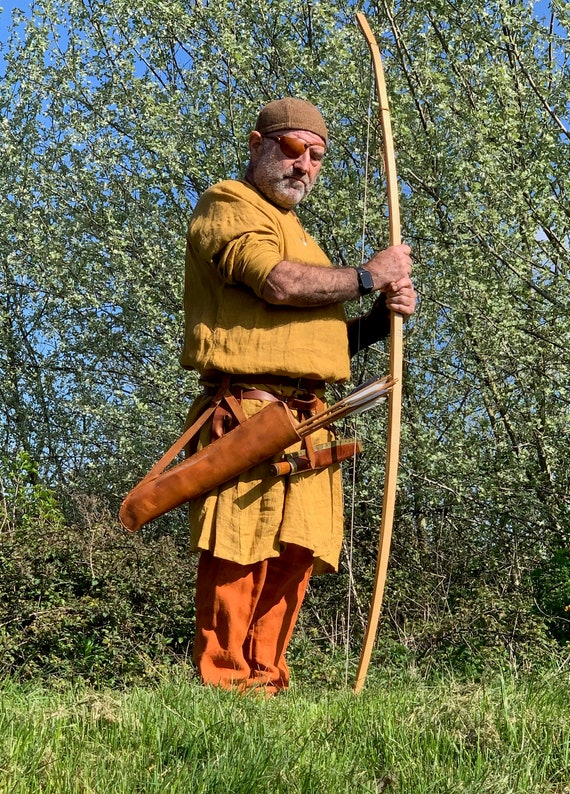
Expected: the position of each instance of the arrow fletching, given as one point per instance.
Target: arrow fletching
(361, 399)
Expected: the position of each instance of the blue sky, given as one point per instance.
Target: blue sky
(5, 15)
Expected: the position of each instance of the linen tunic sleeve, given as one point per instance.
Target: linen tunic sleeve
(241, 239)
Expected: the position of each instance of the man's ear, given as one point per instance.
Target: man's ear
(255, 145)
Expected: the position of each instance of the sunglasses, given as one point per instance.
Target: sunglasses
(295, 147)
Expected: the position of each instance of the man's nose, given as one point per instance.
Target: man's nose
(303, 161)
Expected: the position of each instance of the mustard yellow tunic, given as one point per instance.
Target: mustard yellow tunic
(235, 238)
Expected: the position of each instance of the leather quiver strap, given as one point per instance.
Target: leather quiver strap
(320, 457)
(255, 440)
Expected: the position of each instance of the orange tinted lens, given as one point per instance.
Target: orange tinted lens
(292, 147)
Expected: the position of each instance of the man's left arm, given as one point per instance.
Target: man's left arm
(369, 328)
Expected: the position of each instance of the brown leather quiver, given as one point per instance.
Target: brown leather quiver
(253, 441)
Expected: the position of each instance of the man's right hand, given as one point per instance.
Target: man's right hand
(390, 266)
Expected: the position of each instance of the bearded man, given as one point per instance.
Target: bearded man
(264, 315)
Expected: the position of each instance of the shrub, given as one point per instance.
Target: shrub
(84, 598)
(552, 590)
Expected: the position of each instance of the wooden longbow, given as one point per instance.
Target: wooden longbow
(396, 359)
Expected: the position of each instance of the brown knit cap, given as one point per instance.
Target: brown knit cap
(291, 114)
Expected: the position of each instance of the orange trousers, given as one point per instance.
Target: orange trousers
(245, 616)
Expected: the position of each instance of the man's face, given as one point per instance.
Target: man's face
(283, 175)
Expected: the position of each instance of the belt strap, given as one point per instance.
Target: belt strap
(301, 384)
(232, 396)
(187, 435)
(308, 403)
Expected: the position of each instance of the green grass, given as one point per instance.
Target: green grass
(401, 734)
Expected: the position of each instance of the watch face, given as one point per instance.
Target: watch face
(365, 281)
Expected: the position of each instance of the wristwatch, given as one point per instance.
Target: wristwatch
(365, 281)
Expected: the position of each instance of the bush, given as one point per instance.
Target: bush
(85, 598)
(552, 589)
(82, 598)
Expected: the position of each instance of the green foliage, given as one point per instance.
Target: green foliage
(86, 600)
(26, 501)
(552, 587)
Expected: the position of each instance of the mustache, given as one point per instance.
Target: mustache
(302, 177)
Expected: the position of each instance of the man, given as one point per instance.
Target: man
(264, 314)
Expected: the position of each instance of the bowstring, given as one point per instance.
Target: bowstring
(350, 550)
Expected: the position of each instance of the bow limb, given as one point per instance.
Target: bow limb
(396, 359)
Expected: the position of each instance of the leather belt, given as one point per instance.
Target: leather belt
(225, 415)
(253, 394)
(309, 385)
(304, 402)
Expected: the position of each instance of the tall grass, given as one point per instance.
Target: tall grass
(402, 734)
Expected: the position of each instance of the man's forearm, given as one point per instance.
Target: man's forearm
(296, 284)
